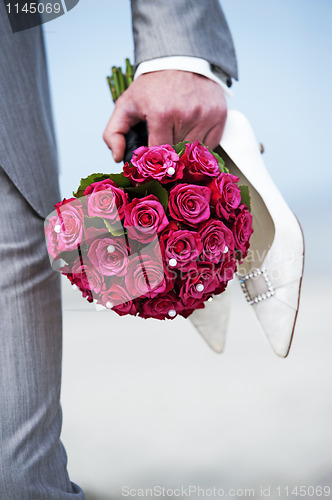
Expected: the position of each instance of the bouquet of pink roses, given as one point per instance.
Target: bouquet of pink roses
(158, 239)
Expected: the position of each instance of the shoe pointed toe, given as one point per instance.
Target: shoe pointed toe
(278, 322)
(212, 321)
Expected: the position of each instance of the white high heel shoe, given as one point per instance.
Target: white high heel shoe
(271, 274)
(212, 321)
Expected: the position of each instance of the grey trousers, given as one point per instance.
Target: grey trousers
(33, 460)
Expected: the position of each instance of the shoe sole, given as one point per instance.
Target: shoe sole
(300, 289)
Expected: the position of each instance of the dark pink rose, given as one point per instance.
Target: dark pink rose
(242, 230)
(190, 203)
(109, 256)
(88, 275)
(118, 299)
(157, 162)
(181, 248)
(194, 304)
(99, 186)
(199, 283)
(59, 206)
(145, 218)
(66, 231)
(227, 268)
(167, 232)
(145, 277)
(200, 163)
(220, 288)
(105, 199)
(226, 195)
(165, 305)
(217, 240)
(78, 280)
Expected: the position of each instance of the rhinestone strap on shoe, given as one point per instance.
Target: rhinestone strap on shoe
(252, 275)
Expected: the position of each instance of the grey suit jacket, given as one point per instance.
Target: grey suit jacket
(27, 140)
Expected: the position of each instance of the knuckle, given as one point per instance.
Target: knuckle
(188, 115)
(164, 113)
(120, 103)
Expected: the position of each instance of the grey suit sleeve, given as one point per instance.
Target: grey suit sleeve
(195, 28)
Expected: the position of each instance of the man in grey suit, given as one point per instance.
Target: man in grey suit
(177, 105)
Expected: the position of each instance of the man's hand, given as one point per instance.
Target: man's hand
(177, 106)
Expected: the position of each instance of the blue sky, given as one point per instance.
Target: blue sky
(284, 53)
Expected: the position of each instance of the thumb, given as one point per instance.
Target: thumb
(123, 118)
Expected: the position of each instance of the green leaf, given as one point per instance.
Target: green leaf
(152, 187)
(96, 222)
(115, 229)
(245, 196)
(85, 182)
(180, 147)
(120, 180)
(220, 161)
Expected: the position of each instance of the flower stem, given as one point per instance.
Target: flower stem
(119, 82)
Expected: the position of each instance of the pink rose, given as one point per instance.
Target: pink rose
(89, 277)
(92, 233)
(190, 203)
(79, 280)
(181, 248)
(227, 268)
(200, 163)
(190, 308)
(157, 162)
(145, 277)
(145, 218)
(199, 283)
(51, 237)
(165, 305)
(105, 199)
(118, 299)
(242, 230)
(226, 195)
(109, 256)
(65, 232)
(217, 240)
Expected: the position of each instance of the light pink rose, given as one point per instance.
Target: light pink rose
(190, 203)
(145, 277)
(51, 237)
(65, 232)
(88, 275)
(109, 256)
(105, 199)
(92, 233)
(156, 162)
